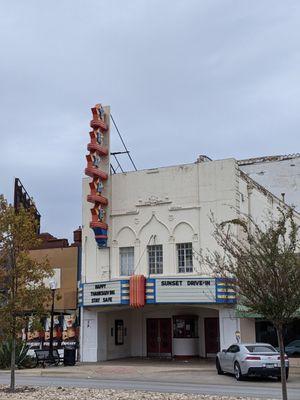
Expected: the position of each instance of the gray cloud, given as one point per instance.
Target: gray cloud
(182, 77)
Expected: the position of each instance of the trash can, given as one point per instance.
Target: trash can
(70, 356)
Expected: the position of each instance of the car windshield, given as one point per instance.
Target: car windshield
(261, 349)
(294, 343)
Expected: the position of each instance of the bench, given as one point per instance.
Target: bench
(43, 357)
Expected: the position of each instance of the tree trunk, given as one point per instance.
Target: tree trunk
(51, 328)
(282, 361)
(13, 360)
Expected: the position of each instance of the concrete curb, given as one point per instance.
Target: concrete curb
(107, 374)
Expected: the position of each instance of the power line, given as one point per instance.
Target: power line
(137, 264)
(119, 165)
(112, 169)
(120, 136)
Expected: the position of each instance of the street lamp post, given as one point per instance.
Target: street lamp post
(53, 288)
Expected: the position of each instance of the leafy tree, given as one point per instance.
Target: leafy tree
(264, 259)
(22, 288)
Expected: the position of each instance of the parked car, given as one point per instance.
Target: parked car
(293, 348)
(250, 359)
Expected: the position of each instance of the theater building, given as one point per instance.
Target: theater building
(144, 291)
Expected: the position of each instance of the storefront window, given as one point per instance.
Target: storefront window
(266, 333)
(185, 326)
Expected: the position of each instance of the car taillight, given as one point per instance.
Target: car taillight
(285, 357)
(253, 358)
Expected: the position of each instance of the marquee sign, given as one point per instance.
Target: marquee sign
(190, 290)
(98, 166)
(137, 296)
(139, 291)
(105, 293)
(185, 290)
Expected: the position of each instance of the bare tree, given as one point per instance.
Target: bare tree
(22, 288)
(263, 259)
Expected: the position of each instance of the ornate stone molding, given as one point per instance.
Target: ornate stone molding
(153, 201)
(180, 208)
(120, 214)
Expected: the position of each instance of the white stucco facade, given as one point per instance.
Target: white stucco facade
(166, 207)
(279, 174)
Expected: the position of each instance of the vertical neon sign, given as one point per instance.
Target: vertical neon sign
(98, 168)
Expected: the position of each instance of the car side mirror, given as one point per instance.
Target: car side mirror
(224, 351)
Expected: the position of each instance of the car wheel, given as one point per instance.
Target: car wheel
(237, 372)
(218, 366)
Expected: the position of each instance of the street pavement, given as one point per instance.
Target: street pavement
(266, 391)
(147, 375)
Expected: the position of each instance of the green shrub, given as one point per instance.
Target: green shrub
(22, 360)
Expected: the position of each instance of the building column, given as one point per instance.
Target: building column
(89, 336)
(229, 325)
(248, 332)
(102, 337)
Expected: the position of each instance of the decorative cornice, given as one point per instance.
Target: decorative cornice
(153, 201)
(121, 214)
(180, 208)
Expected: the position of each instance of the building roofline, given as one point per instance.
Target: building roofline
(176, 165)
(154, 169)
(266, 192)
(257, 160)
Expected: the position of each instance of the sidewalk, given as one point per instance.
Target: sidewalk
(141, 369)
(129, 368)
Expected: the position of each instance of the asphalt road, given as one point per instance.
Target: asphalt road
(270, 390)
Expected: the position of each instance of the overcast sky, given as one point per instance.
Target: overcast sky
(183, 78)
